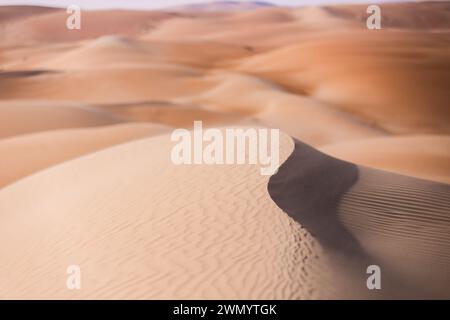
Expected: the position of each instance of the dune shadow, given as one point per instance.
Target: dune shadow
(25, 73)
(308, 187)
(408, 215)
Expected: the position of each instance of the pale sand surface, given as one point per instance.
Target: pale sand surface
(48, 148)
(422, 156)
(86, 176)
(124, 215)
(22, 117)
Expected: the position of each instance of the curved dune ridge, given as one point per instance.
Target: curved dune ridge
(141, 227)
(365, 217)
(217, 233)
(111, 85)
(114, 51)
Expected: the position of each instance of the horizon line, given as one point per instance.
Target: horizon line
(168, 7)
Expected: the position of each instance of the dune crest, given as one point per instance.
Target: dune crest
(366, 217)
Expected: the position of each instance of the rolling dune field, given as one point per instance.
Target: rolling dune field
(87, 176)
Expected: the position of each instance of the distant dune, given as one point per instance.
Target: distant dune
(50, 27)
(222, 6)
(52, 147)
(21, 117)
(383, 67)
(422, 156)
(10, 13)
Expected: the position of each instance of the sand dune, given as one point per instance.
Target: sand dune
(263, 16)
(36, 24)
(115, 51)
(20, 116)
(86, 176)
(298, 115)
(11, 13)
(221, 6)
(198, 250)
(111, 85)
(383, 67)
(426, 157)
(419, 15)
(47, 27)
(125, 217)
(262, 28)
(319, 18)
(45, 149)
(368, 217)
(273, 106)
(170, 113)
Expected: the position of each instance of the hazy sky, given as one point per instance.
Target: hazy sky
(151, 4)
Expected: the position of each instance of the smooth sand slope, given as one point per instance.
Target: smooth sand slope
(48, 148)
(50, 27)
(20, 116)
(111, 85)
(393, 80)
(116, 51)
(10, 13)
(266, 26)
(141, 227)
(425, 15)
(176, 114)
(422, 156)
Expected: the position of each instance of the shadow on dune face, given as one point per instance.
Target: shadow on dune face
(364, 216)
(26, 73)
(308, 187)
